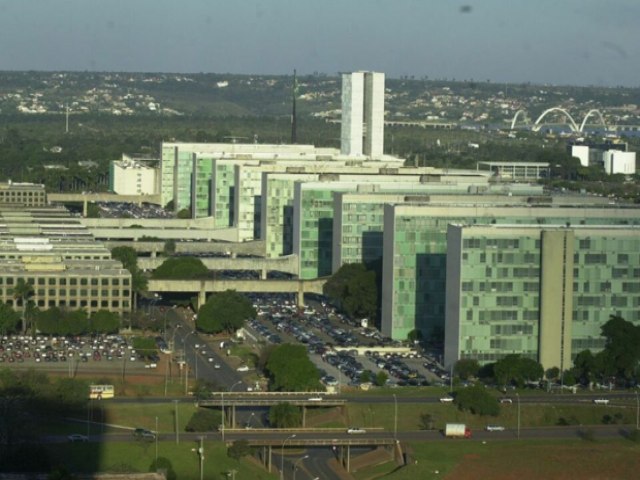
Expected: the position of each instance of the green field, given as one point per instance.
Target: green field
(140, 456)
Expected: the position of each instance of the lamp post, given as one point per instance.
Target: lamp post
(295, 465)
(395, 417)
(201, 454)
(157, 441)
(186, 363)
(518, 400)
(222, 393)
(176, 412)
(282, 455)
(637, 412)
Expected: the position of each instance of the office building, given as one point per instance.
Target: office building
(540, 291)
(362, 124)
(415, 249)
(616, 162)
(55, 253)
(132, 176)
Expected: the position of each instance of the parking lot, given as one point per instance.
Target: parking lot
(100, 353)
(344, 352)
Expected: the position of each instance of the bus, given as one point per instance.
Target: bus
(101, 392)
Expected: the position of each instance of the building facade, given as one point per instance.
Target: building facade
(540, 291)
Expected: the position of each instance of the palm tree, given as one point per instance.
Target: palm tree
(22, 292)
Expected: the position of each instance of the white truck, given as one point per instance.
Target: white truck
(457, 430)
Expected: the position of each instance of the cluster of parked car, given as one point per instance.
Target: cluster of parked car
(17, 348)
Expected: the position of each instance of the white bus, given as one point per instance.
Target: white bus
(101, 392)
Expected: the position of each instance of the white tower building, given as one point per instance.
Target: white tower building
(351, 129)
(362, 129)
(374, 114)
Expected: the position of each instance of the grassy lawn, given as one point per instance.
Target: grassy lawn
(382, 415)
(139, 457)
(523, 460)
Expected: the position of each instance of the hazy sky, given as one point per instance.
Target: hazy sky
(542, 41)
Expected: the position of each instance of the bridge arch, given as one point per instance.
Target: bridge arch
(570, 121)
(589, 114)
(515, 117)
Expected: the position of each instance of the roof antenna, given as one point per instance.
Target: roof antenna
(294, 119)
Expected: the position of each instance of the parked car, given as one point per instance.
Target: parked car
(243, 368)
(77, 437)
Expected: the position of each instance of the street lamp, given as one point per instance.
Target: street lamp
(176, 413)
(222, 393)
(395, 417)
(157, 434)
(186, 363)
(637, 412)
(282, 455)
(201, 454)
(295, 465)
(518, 400)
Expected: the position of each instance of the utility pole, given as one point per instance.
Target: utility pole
(157, 441)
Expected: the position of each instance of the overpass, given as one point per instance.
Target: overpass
(342, 446)
(153, 247)
(288, 264)
(203, 287)
(85, 198)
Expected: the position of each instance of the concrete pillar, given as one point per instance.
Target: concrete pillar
(233, 416)
(269, 461)
(304, 416)
(300, 296)
(348, 466)
(85, 208)
(263, 273)
(202, 296)
(154, 254)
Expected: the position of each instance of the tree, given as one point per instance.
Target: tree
(181, 268)
(427, 421)
(9, 319)
(224, 312)
(22, 292)
(552, 373)
(290, 369)
(239, 449)
(516, 369)
(163, 464)
(466, 368)
(129, 258)
(204, 420)
(354, 288)
(622, 346)
(285, 415)
(477, 400)
(381, 378)
(104, 321)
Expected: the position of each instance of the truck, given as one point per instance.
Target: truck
(457, 430)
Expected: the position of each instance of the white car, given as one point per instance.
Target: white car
(601, 401)
(356, 430)
(242, 368)
(494, 428)
(506, 400)
(446, 400)
(315, 399)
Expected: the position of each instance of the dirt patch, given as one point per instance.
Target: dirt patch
(557, 462)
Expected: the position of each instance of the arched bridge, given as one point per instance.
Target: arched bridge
(537, 125)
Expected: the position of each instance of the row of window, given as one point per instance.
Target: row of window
(79, 303)
(62, 281)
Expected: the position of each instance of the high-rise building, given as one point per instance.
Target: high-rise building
(362, 128)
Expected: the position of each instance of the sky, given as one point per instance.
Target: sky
(564, 42)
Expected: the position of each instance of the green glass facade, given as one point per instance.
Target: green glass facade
(415, 246)
(202, 201)
(496, 290)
